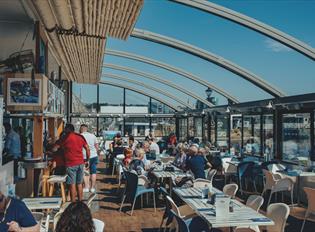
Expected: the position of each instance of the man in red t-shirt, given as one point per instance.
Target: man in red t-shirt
(72, 145)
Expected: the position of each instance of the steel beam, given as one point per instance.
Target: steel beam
(252, 24)
(158, 79)
(149, 87)
(173, 69)
(120, 85)
(211, 57)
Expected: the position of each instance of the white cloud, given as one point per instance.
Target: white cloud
(276, 46)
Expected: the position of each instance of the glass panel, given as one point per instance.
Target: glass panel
(205, 128)
(138, 127)
(160, 108)
(296, 135)
(111, 99)
(191, 132)
(198, 128)
(84, 98)
(236, 133)
(136, 103)
(182, 129)
(222, 135)
(268, 138)
(252, 134)
(163, 126)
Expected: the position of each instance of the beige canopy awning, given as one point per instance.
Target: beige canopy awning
(78, 30)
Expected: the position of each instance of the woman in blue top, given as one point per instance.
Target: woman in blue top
(15, 216)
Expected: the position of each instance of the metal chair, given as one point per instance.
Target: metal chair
(133, 190)
(230, 190)
(305, 213)
(99, 225)
(277, 185)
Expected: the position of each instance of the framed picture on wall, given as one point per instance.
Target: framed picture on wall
(22, 92)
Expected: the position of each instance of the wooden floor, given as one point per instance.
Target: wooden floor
(143, 219)
(106, 208)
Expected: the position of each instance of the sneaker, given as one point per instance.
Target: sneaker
(93, 190)
(85, 190)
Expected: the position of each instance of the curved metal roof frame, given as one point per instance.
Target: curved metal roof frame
(120, 85)
(252, 24)
(158, 79)
(170, 68)
(213, 58)
(121, 78)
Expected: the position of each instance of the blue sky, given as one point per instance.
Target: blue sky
(284, 68)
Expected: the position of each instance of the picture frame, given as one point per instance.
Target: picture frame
(20, 92)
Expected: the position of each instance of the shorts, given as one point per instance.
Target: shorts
(93, 164)
(75, 174)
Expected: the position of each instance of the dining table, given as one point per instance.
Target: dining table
(42, 203)
(240, 216)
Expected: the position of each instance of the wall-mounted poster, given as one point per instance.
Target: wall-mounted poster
(22, 92)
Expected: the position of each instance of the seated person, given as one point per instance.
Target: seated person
(76, 217)
(153, 146)
(128, 156)
(197, 163)
(15, 216)
(137, 163)
(117, 150)
(180, 158)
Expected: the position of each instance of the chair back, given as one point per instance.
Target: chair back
(182, 226)
(99, 225)
(279, 213)
(211, 174)
(131, 185)
(198, 224)
(174, 207)
(255, 202)
(56, 218)
(90, 199)
(230, 190)
(270, 180)
(200, 183)
(244, 168)
(310, 194)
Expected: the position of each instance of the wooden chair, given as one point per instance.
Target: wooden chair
(59, 180)
(305, 213)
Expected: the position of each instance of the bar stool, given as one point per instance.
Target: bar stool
(59, 180)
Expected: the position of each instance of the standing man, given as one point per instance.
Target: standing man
(12, 145)
(72, 145)
(93, 146)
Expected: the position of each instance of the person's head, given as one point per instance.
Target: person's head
(151, 140)
(146, 146)
(131, 140)
(69, 128)
(140, 153)
(202, 151)
(83, 128)
(76, 218)
(128, 153)
(7, 127)
(193, 150)
(180, 148)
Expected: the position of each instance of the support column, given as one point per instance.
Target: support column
(150, 112)
(124, 112)
(52, 128)
(38, 138)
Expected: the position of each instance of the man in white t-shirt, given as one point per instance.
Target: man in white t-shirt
(93, 145)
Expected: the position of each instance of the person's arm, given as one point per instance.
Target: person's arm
(15, 227)
(87, 149)
(96, 144)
